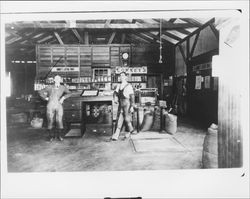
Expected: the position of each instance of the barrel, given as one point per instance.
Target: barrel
(170, 123)
(210, 149)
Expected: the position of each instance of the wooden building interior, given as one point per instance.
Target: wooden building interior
(176, 51)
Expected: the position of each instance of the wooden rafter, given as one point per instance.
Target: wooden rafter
(196, 31)
(138, 38)
(172, 20)
(58, 38)
(86, 37)
(183, 54)
(45, 39)
(107, 22)
(143, 37)
(191, 21)
(127, 26)
(23, 37)
(194, 44)
(112, 37)
(188, 49)
(216, 33)
(77, 35)
(132, 40)
(183, 31)
(172, 36)
(123, 38)
(157, 38)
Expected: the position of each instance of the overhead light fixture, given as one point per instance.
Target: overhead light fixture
(160, 59)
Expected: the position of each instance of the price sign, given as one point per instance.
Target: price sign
(132, 70)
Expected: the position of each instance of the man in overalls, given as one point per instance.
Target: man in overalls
(55, 95)
(125, 94)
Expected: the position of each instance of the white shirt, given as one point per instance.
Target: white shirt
(128, 90)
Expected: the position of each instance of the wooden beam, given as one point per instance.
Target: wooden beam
(191, 21)
(138, 38)
(128, 26)
(112, 37)
(196, 31)
(58, 38)
(86, 37)
(216, 32)
(152, 35)
(157, 38)
(194, 44)
(143, 37)
(23, 36)
(183, 54)
(132, 40)
(108, 22)
(172, 36)
(172, 20)
(183, 31)
(123, 38)
(77, 35)
(45, 39)
(187, 49)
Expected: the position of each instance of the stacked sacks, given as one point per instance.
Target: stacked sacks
(148, 118)
(210, 148)
(170, 123)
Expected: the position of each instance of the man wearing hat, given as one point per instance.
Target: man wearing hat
(55, 95)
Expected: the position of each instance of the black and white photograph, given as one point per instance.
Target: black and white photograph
(107, 94)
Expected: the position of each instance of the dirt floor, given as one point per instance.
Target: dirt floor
(29, 151)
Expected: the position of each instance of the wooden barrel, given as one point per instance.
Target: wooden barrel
(210, 149)
(170, 123)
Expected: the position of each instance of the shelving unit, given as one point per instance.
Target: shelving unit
(136, 84)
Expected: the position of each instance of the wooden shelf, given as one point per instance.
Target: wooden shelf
(130, 82)
(84, 82)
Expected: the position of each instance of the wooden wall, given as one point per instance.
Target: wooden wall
(202, 103)
(198, 49)
(87, 57)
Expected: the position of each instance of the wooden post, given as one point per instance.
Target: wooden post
(58, 38)
(112, 37)
(86, 37)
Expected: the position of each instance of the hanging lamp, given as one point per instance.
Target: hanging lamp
(160, 59)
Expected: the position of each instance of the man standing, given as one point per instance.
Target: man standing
(54, 94)
(125, 94)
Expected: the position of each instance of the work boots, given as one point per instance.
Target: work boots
(51, 135)
(60, 134)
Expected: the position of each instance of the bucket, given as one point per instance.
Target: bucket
(210, 149)
(170, 123)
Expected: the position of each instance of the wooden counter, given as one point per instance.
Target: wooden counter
(81, 111)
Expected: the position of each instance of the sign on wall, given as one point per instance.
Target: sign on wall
(204, 66)
(132, 70)
(65, 69)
